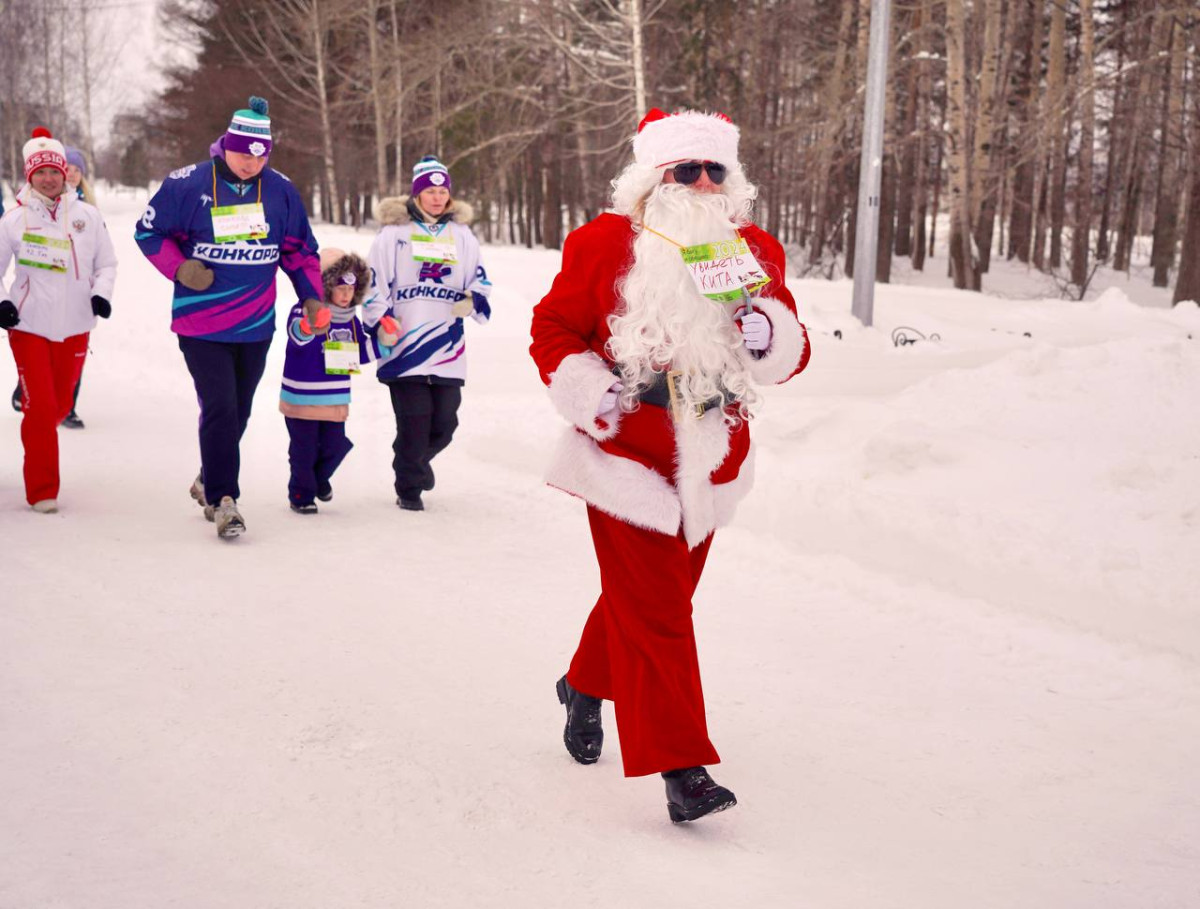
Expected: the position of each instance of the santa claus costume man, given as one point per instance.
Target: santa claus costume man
(667, 314)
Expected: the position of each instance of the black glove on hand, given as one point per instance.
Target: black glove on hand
(9, 316)
(101, 307)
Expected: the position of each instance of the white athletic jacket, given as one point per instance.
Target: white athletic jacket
(56, 304)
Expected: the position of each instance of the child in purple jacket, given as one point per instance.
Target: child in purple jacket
(322, 354)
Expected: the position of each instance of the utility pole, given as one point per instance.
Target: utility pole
(866, 239)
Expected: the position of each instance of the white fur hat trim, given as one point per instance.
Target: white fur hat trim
(689, 135)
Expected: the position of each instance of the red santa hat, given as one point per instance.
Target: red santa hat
(43, 150)
(688, 135)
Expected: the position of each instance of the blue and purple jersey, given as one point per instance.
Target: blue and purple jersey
(305, 381)
(240, 304)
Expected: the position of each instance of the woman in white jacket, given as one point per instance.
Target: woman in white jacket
(426, 272)
(63, 279)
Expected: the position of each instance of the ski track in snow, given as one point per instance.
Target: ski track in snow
(950, 646)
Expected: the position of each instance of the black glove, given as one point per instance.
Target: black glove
(9, 317)
(101, 307)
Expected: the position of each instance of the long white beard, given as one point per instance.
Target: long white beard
(666, 323)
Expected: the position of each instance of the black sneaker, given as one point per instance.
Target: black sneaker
(16, 398)
(583, 735)
(72, 421)
(306, 508)
(325, 493)
(692, 793)
(410, 500)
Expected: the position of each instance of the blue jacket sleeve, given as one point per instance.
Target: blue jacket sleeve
(158, 228)
(298, 250)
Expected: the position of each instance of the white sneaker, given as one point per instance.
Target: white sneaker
(197, 492)
(46, 506)
(228, 519)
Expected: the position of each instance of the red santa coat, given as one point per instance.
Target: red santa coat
(644, 467)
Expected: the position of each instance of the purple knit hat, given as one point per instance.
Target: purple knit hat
(249, 131)
(429, 171)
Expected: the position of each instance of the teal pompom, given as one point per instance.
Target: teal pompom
(258, 105)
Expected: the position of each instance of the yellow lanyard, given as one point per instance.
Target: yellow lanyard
(737, 233)
(214, 201)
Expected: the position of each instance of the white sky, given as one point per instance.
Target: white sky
(128, 33)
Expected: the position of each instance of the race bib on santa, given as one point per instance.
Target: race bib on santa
(40, 251)
(341, 358)
(239, 222)
(724, 270)
(434, 249)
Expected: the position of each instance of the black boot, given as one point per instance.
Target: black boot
(410, 500)
(583, 736)
(16, 398)
(692, 793)
(72, 421)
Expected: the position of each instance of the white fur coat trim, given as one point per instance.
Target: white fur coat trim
(576, 388)
(788, 342)
(700, 448)
(618, 486)
(643, 497)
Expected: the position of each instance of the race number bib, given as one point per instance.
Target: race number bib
(722, 271)
(342, 358)
(40, 251)
(239, 222)
(434, 249)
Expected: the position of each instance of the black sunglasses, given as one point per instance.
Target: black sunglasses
(689, 172)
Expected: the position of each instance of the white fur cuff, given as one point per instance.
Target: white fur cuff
(576, 388)
(617, 486)
(788, 343)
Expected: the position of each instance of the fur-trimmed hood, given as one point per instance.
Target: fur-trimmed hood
(394, 210)
(335, 263)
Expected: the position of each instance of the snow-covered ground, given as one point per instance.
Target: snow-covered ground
(951, 647)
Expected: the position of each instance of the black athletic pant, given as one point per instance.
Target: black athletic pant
(316, 450)
(426, 417)
(225, 375)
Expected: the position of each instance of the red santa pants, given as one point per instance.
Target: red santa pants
(638, 647)
(49, 371)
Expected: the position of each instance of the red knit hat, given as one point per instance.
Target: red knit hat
(43, 150)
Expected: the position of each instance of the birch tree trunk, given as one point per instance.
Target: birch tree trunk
(983, 209)
(398, 91)
(638, 60)
(1113, 168)
(962, 261)
(330, 171)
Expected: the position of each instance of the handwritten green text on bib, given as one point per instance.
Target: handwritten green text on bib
(434, 249)
(342, 358)
(50, 253)
(721, 270)
(239, 222)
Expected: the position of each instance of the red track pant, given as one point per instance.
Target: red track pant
(49, 371)
(638, 647)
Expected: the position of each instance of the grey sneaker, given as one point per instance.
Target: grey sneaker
(228, 519)
(197, 492)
